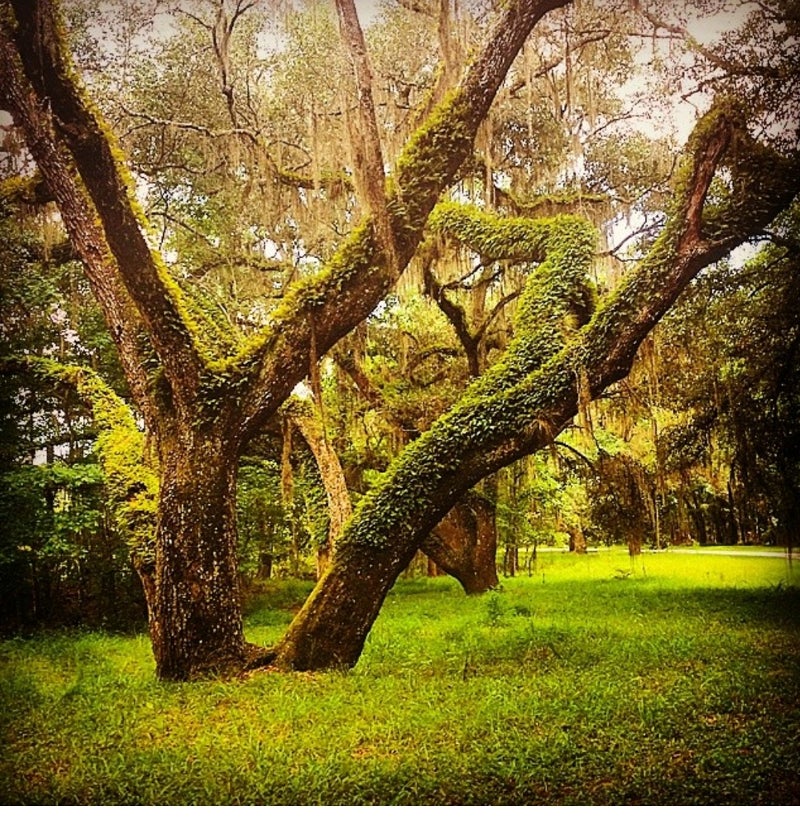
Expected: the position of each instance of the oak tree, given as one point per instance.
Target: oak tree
(204, 390)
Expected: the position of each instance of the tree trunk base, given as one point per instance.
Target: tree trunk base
(464, 544)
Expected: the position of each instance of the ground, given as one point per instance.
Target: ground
(674, 679)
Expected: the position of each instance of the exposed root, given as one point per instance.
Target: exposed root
(257, 656)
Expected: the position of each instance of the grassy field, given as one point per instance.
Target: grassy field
(594, 681)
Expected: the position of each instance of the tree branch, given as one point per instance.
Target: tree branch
(366, 140)
(457, 317)
(284, 176)
(730, 68)
(80, 220)
(491, 428)
(40, 44)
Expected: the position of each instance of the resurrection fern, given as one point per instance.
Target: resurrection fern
(557, 297)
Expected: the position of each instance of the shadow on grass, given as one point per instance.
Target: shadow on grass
(778, 605)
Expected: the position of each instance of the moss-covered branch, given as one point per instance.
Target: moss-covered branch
(40, 42)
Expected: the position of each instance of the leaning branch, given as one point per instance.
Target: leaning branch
(40, 43)
(344, 294)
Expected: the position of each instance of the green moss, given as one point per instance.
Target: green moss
(122, 452)
(557, 297)
(218, 335)
(429, 160)
(494, 237)
(357, 253)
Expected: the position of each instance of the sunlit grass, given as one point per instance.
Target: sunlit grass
(675, 679)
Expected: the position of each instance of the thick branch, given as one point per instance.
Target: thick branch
(356, 279)
(40, 43)
(306, 416)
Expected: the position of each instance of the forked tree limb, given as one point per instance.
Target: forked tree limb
(359, 274)
(329, 304)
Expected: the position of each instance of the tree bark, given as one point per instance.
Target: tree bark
(198, 624)
(464, 544)
(366, 141)
(577, 540)
(80, 220)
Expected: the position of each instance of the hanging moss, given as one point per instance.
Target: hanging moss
(423, 170)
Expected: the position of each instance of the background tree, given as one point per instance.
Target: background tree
(63, 559)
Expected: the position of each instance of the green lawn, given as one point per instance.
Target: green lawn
(674, 680)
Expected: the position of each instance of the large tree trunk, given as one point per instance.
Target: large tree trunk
(464, 544)
(197, 614)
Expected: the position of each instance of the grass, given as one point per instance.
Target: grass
(674, 680)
